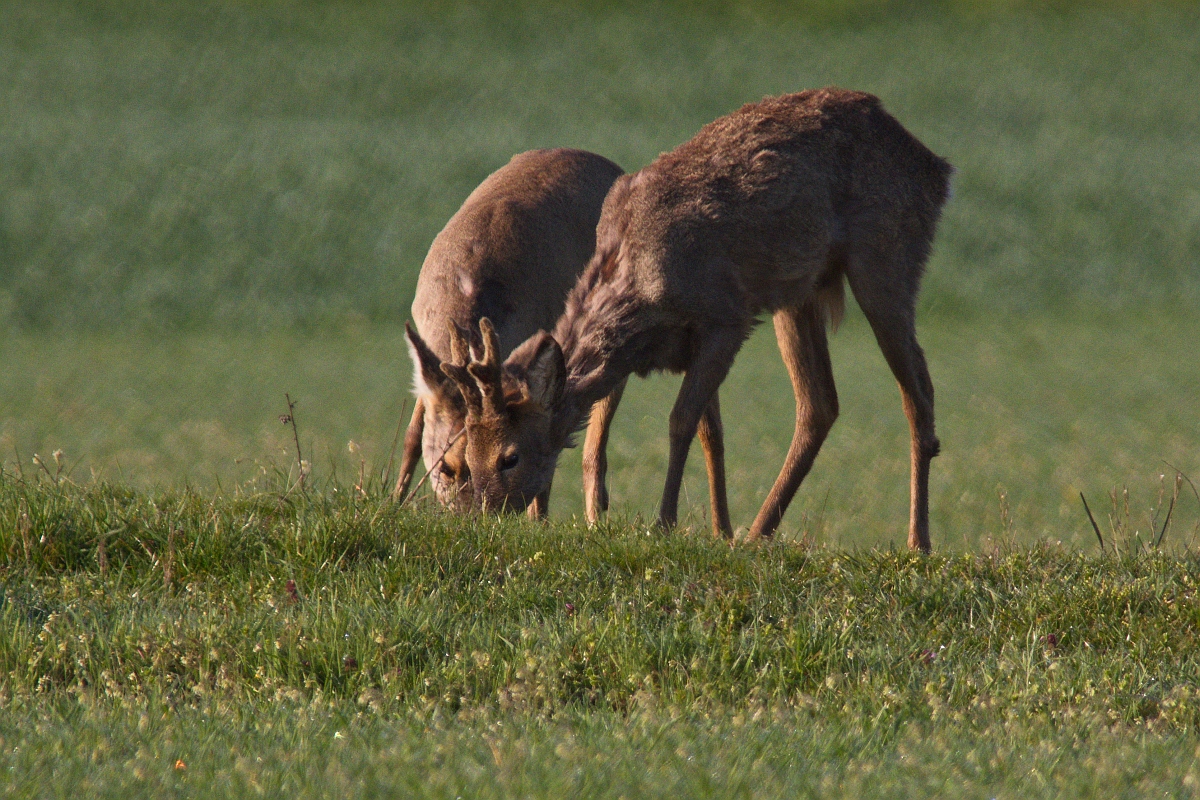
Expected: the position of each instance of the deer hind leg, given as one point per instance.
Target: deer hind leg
(595, 454)
(805, 351)
(412, 451)
(890, 310)
(712, 439)
(710, 364)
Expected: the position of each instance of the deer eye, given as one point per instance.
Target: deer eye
(509, 461)
(447, 471)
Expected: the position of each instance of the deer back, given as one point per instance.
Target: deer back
(756, 211)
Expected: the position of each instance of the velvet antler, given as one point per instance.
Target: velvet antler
(457, 370)
(486, 370)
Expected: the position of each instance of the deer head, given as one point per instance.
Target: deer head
(512, 445)
(441, 422)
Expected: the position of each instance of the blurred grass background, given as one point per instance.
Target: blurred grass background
(203, 206)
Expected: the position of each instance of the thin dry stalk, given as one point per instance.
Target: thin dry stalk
(25, 526)
(20, 467)
(1174, 499)
(1181, 474)
(290, 419)
(387, 473)
(37, 459)
(1092, 519)
(1195, 493)
(361, 484)
(1005, 513)
(169, 558)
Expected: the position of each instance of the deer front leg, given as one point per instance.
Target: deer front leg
(539, 509)
(595, 455)
(712, 439)
(412, 451)
(710, 364)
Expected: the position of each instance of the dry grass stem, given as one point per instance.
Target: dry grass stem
(433, 468)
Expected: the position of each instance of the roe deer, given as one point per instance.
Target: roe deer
(765, 210)
(511, 253)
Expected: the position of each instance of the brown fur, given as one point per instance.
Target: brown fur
(511, 253)
(765, 211)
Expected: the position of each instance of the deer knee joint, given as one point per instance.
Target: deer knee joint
(825, 420)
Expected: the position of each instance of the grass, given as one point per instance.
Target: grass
(352, 646)
(203, 206)
(341, 749)
(1029, 415)
(212, 164)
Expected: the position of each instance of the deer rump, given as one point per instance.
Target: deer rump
(767, 210)
(511, 253)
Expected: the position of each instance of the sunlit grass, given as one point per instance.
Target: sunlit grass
(333, 643)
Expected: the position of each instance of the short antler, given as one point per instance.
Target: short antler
(486, 370)
(456, 369)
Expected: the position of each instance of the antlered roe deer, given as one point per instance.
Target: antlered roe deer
(766, 210)
(511, 253)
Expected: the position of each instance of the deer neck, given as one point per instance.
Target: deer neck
(598, 332)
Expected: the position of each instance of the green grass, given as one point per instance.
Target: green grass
(166, 165)
(503, 657)
(205, 206)
(1029, 414)
(344, 750)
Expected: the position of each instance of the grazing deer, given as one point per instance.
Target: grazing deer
(511, 253)
(765, 210)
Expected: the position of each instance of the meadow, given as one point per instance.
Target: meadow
(295, 644)
(206, 205)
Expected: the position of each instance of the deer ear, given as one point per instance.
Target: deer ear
(427, 367)
(541, 360)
